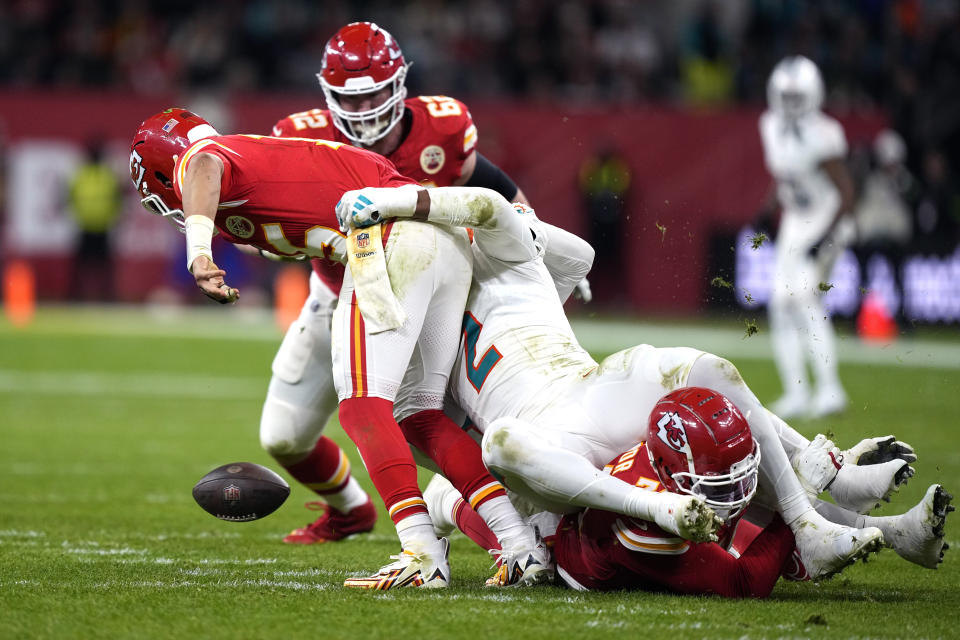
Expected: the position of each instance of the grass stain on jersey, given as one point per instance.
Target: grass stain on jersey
(479, 212)
(673, 379)
(729, 371)
(406, 261)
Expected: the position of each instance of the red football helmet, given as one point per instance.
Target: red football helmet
(700, 444)
(361, 58)
(153, 153)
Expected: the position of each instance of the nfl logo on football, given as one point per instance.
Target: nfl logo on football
(231, 493)
(363, 240)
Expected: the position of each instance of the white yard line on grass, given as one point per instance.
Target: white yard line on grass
(610, 336)
(131, 384)
(596, 335)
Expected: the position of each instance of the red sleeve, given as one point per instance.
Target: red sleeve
(204, 146)
(709, 569)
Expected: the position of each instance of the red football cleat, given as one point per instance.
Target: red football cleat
(334, 525)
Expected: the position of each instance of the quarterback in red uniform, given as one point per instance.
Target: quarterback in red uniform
(431, 139)
(280, 195)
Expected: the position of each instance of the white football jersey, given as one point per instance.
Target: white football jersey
(517, 343)
(794, 151)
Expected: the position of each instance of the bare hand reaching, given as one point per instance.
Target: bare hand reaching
(209, 278)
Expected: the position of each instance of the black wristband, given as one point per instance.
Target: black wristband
(486, 174)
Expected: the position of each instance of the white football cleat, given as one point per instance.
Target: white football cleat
(817, 465)
(522, 567)
(688, 517)
(412, 569)
(917, 535)
(826, 548)
(860, 488)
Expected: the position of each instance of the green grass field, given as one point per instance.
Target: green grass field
(108, 418)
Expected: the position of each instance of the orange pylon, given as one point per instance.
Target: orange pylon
(874, 324)
(19, 293)
(290, 290)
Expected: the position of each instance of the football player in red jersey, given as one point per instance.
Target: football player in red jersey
(431, 139)
(280, 195)
(700, 444)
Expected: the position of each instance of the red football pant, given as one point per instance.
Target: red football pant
(472, 525)
(369, 423)
(455, 453)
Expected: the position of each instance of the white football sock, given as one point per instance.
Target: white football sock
(503, 519)
(821, 344)
(349, 498)
(788, 348)
(416, 534)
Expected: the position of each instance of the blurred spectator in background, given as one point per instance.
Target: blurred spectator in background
(707, 73)
(604, 183)
(95, 199)
(883, 214)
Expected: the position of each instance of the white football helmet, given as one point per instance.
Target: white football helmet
(795, 87)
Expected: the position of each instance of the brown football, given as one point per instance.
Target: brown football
(241, 492)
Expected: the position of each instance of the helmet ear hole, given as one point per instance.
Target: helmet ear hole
(164, 180)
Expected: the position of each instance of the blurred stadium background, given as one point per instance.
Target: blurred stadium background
(661, 96)
(110, 411)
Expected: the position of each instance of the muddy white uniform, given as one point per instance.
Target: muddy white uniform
(551, 416)
(519, 357)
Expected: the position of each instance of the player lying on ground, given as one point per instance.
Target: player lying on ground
(552, 417)
(431, 139)
(700, 443)
(279, 195)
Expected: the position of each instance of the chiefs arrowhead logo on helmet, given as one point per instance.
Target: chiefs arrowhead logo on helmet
(700, 444)
(671, 431)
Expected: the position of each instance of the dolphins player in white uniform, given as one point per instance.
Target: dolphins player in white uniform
(552, 417)
(805, 153)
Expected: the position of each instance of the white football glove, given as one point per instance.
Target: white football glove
(879, 450)
(356, 210)
(372, 205)
(697, 522)
(817, 465)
